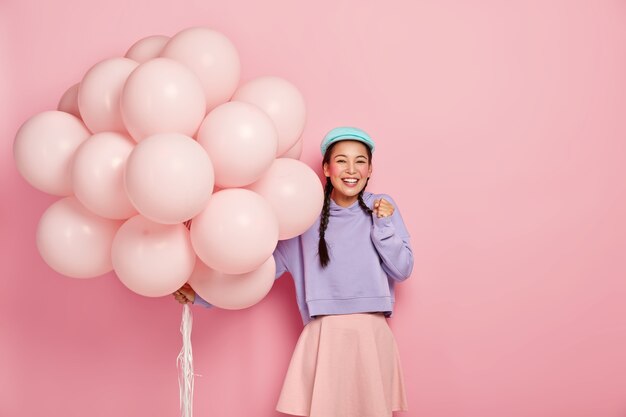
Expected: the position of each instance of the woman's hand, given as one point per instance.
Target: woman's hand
(383, 208)
(185, 294)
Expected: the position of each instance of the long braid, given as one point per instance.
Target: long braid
(322, 248)
(362, 204)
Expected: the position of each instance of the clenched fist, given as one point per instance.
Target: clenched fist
(185, 294)
(383, 208)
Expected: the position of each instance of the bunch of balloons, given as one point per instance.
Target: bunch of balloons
(145, 143)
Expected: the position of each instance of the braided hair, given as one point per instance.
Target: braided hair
(361, 202)
(328, 189)
(322, 249)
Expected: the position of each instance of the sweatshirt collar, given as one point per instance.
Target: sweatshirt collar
(337, 209)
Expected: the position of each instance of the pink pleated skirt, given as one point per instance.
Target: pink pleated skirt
(344, 366)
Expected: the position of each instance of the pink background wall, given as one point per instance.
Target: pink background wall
(502, 136)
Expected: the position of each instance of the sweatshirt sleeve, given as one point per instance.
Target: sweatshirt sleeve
(392, 242)
(281, 257)
(199, 301)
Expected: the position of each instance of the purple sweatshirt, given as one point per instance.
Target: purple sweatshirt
(367, 256)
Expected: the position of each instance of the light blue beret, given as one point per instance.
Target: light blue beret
(346, 133)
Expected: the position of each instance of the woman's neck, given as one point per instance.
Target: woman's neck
(343, 200)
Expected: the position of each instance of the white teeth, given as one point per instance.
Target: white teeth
(350, 180)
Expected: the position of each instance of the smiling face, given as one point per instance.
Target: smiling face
(348, 167)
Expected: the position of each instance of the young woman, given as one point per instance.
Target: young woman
(345, 363)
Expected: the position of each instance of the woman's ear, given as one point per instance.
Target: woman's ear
(326, 173)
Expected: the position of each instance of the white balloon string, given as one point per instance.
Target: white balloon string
(184, 363)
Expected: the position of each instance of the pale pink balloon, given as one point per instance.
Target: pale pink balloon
(212, 57)
(233, 291)
(147, 48)
(98, 175)
(283, 103)
(295, 193)
(295, 152)
(169, 178)
(75, 242)
(99, 94)
(236, 232)
(69, 101)
(241, 141)
(44, 150)
(162, 96)
(152, 259)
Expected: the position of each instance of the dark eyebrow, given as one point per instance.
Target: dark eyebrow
(344, 156)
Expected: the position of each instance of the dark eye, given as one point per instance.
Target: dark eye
(340, 161)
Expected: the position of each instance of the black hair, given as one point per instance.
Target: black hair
(328, 189)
